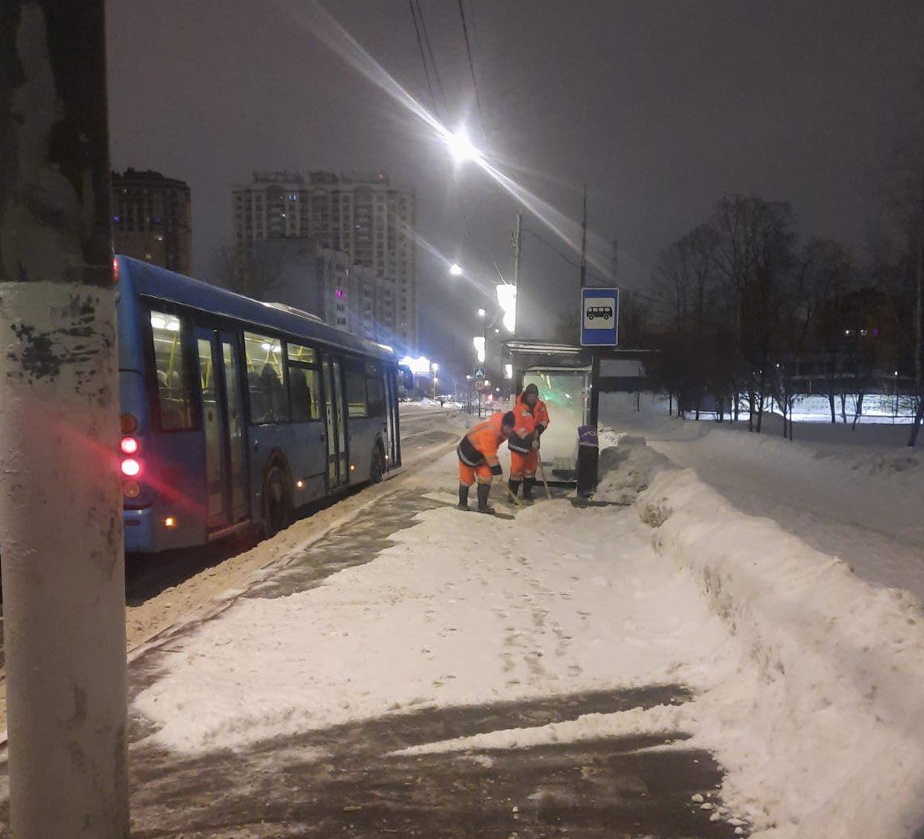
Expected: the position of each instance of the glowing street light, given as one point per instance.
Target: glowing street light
(461, 147)
(507, 299)
(455, 269)
(478, 341)
(481, 313)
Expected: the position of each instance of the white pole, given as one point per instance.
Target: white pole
(60, 499)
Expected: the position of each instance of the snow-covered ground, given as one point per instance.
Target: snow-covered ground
(854, 494)
(808, 681)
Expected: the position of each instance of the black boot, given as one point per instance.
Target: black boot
(484, 490)
(514, 487)
(528, 484)
(463, 497)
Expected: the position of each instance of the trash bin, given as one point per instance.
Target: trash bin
(588, 454)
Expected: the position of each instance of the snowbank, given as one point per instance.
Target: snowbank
(831, 740)
(626, 467)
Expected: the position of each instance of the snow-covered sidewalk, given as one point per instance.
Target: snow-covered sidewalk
(805, 682)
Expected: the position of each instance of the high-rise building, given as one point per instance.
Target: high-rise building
(366, 219)
(152, 219)
(357, 300)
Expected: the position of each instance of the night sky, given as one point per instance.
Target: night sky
(660, 106)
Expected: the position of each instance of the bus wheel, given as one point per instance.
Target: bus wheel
(378, 465)
(277, 502)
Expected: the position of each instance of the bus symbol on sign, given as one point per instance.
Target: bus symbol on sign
(598, 312)
(605, 312)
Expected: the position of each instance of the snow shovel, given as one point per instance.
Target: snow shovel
(545, 483)
(512, 497)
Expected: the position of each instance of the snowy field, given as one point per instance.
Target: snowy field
(808, 680)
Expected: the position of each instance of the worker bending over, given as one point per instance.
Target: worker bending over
(478, 458)
(532, 419)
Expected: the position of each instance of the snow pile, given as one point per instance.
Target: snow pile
(830, 740)
(627, 468)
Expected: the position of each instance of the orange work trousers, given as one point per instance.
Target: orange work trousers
(469, 474)
(523, 465)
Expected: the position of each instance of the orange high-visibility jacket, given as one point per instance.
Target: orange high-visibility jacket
(541, 415)
(484, 440)
(526, 419)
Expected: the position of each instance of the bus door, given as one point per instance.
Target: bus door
(391, 407)
(337, 473)
(222, 422)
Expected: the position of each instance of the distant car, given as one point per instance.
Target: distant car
(605, 312)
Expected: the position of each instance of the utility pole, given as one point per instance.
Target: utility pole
(584, 242)
(615, 258)
(517, 256)
(60, 499)
(517, 250)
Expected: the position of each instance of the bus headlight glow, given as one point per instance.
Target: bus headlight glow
(131, 467)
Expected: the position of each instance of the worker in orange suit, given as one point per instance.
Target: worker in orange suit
(532, 419)
(478, 458)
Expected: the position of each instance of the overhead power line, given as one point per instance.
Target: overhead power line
(436, 69)
(471, 67)
(423, 55)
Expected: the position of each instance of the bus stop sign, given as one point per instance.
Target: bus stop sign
(599, 317)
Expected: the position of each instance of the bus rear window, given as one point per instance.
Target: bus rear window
(173, 390)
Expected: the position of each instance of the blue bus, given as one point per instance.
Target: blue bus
(236, 412)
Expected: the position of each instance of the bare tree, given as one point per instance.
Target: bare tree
(754, 256)
(824, 275)
(258, 269)
(904, 206)
(61, 510)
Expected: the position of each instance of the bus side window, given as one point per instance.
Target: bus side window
(269, 402)
(356, 394)
(303, 392)
(375, 391)
(173, 390)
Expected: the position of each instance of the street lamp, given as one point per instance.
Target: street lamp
(461, 147)
(481, 313)
(455, 270)
(479, 342)
(434, 367)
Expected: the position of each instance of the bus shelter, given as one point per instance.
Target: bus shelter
(570, 379)
(564, 375)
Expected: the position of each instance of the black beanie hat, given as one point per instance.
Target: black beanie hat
(531, 388)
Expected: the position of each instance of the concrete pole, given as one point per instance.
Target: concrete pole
(584, 241)
(60, 499)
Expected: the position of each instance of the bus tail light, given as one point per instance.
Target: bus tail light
(128, 423)
(131, 467)
(115, 270)
(131, 489)
(129, 445)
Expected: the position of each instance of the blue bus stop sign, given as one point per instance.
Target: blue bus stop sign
(599, 317)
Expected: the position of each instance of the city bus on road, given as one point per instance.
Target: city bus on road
(235, 412)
